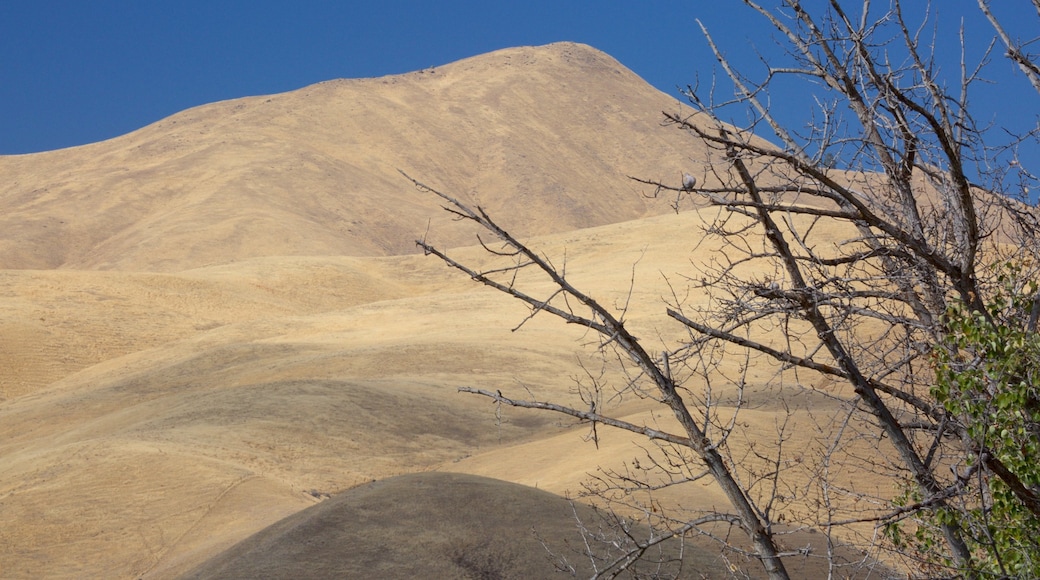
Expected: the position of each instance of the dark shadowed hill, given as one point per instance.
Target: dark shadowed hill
(453, 525)
(543, 136)
(427, 525)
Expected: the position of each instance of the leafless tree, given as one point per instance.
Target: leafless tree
(844, 246)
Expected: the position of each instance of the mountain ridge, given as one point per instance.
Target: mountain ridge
(215, 321)
(314, 171)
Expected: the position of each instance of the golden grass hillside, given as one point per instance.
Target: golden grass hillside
(217, 321)
(544, 136)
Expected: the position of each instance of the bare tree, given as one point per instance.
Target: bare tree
(846, 246)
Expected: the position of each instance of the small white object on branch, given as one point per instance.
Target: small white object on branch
(688, 181)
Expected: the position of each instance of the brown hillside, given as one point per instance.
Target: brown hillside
(150, 462)
(215, 322)
(429, 525)
(453, 525)
(544, 136)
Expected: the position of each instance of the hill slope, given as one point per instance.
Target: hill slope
(319, 380)
(211, 323)
(543, 136)
(429, 525)
(197, 437)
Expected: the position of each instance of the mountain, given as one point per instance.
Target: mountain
(543, 136)
(218, 321)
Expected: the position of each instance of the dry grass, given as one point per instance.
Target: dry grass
(211, 323)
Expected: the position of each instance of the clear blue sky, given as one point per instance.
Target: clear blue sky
(74, 72)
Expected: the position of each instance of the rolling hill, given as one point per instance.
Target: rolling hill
(543, 136)
(219, 320)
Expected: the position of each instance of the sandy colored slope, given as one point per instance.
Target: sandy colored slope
(56, 322)
(152, 461)
(213, 322)
(106, 471)
(544, 136)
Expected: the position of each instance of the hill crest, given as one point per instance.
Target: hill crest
(543, 135)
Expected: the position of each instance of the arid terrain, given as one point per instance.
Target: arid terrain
(220, 320)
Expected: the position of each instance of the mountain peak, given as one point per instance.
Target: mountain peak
(542, 137)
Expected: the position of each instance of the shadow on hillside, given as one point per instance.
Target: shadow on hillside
(438, 525)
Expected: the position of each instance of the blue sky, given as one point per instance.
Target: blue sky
(74, 72)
